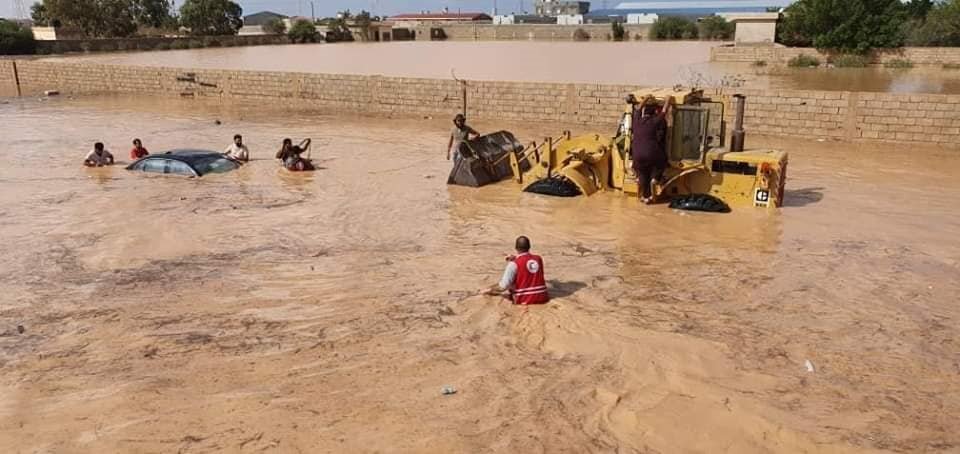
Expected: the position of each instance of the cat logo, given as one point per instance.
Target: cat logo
(533, 266)
(761, 198)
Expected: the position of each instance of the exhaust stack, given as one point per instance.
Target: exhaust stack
(737, 136)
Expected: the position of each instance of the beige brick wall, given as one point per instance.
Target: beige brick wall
(524, 32)
(776, 54)
(857, 116)
(7, 85)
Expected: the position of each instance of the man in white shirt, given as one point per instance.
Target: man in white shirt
(237, 150)
(99, 157)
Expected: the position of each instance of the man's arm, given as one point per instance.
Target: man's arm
(228, 151)
(449, 146)
(472, 131)
(109, 157)
(509, 275)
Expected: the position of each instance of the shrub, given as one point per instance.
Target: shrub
(759, 63)
(195, 44)
(581, 35)
(229, 43)
(212, 43)
(716, 27)
(898, 63)
(162, 45)
(940, 27)
(274, 27)
(15, 39)
(850, 61)
(803, 61)
(951, 66)
(850, 26)
(617, 30)
(638, 37)
(673, 28)
(303, 31)
(180, 43)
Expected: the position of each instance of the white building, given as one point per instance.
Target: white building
(642, 18)
(570, 19)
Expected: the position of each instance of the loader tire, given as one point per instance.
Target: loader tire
(559, 187)
(700, 202)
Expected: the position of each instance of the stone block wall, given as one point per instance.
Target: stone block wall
(527, 32)
(124, 44)
(854, 116)
(781, 55)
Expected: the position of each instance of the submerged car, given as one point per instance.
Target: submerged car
(191, 163)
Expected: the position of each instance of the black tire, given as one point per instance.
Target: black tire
(559, 187)
(699, 202)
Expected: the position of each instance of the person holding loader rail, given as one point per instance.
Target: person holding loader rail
(523, 280)
(460, 134)
(648, 145)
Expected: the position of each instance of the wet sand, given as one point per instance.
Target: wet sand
(641, 63)
(264, 311)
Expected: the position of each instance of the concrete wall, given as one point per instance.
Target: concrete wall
(858, 116)
(779, 54)
(755, 32)
(533, 32)
(115, 44)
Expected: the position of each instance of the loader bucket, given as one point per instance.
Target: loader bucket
(485, 160)
(555, 186)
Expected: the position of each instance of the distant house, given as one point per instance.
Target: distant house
(261, 18)
(560, 7)
(753, 28)
(515, 19)
(406, 20)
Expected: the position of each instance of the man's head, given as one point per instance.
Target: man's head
(137, 143)
(459, 120)
(238, 139)
(295, 150)
(649, 110)
(523, 244)
(98, 147)
(287, 142)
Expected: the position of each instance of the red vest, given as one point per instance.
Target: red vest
(530, 286)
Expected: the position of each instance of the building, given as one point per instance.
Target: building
(408, 20)
(643, 18)
(516, 19)
(560, 7)
(753, 28)
(261, 18)
(570, 19)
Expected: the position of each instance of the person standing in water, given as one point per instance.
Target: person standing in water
(138, 151)
(461, 133)
(237, 150)
(648, 146)
(99, 157)
(523, 279)
(294, 162)
(284, 150)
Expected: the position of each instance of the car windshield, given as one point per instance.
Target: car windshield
(215, 164)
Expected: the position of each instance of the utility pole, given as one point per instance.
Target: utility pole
(313, 15)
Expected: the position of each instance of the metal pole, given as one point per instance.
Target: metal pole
(16, 78)
(313, 15)
(737, 137)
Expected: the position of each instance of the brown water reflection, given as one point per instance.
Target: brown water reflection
(258, 309)
(642, 63)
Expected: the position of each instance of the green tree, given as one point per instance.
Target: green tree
(850, 26)
(303, 31)
(152, 13)
(38, 13)
(337, 29)
(211, 17)
(363, 22)
(274, 27)
(616, 29)
(673, 27)
(716, 27)
(941, 27)
(918, 9)
(16, 39)
(95, 18)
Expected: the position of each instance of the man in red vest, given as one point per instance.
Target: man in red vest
(523, 278)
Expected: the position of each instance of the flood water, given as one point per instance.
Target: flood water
(324, 312)
(641, 63)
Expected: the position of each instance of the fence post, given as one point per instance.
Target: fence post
(16, 78)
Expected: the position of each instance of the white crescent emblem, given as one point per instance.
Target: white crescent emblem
(533, 266)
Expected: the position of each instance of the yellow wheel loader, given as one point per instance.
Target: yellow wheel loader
(702, 174)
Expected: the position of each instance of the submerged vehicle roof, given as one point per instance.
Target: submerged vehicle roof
(199, 161)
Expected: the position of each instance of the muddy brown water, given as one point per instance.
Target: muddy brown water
(261, 310)
(641, 63)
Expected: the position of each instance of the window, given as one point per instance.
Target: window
(179, 168)
(154, 165)
(217, 165)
